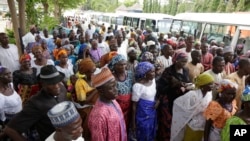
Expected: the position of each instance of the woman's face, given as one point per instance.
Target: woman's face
(228, 95)
(150, 75)
(63, 58)
(38, 53)
(120, 66)
(90, 72)
(181, 62)
(6, 76)
(26, 63)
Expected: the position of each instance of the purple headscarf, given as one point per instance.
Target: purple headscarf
(142, 69)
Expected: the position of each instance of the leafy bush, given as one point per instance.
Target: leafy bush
(10, 33)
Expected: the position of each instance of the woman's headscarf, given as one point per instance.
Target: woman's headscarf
(115, 60)
(203, 79)
(246, 94)
(24, 57)
(60, 52)
(147, 56)
(179, 54)
(85, 65)
(226, 84)
(142, 69)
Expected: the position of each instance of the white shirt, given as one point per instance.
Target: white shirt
(166, 62)
(38, 68)
(104, 47)
(217, 77)
(51, 138)
(90, 32)
(67, 71)
(28, 38)
(140, 91)
(12, 104)
(9, 57)
(123, 49)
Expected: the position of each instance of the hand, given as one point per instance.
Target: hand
(157, 104)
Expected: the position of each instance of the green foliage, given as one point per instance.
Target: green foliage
(48, 22)
(129, 3)
(222, 6)
(181, 8)
(230, 6)
(197, 6)
(103, 5)
(7, 15)
(174, 8)
(240, 6)
(33, 15)
(213, 4)
(10, 33)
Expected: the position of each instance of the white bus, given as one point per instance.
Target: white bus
(230, 28)
(156, 21)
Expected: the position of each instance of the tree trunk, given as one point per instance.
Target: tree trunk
(22, 19)
(15, 24)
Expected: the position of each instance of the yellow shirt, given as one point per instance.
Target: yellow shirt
(82, 88)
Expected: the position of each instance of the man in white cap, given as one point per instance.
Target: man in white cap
(34, 113)
(67, 121)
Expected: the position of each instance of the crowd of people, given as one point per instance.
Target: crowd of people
(125, 85)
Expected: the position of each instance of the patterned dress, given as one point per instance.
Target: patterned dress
(25, 84)
(124, 96)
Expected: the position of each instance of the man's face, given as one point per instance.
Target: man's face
(110, 91)
(219, 66)
(53, 89)
(4, 39)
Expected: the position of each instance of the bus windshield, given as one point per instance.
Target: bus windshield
(215, 32)
(164, 25)
(176, 25)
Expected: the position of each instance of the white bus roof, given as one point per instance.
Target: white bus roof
(241, 19)
(156, 16)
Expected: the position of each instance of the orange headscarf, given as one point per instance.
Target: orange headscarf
(86, 64)
(24, 57)
(60, 52)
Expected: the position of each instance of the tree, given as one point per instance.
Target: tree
(103, 5)
(196, 6)
(213, 4)
(204, 6)
(22, 19)
(222, 6)
(230, 6)
(145, 6)
(240, 6)
(11, 4)
(129, 3)
(181, 8)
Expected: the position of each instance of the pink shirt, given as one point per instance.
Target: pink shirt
(206, 61)
(106, 122)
